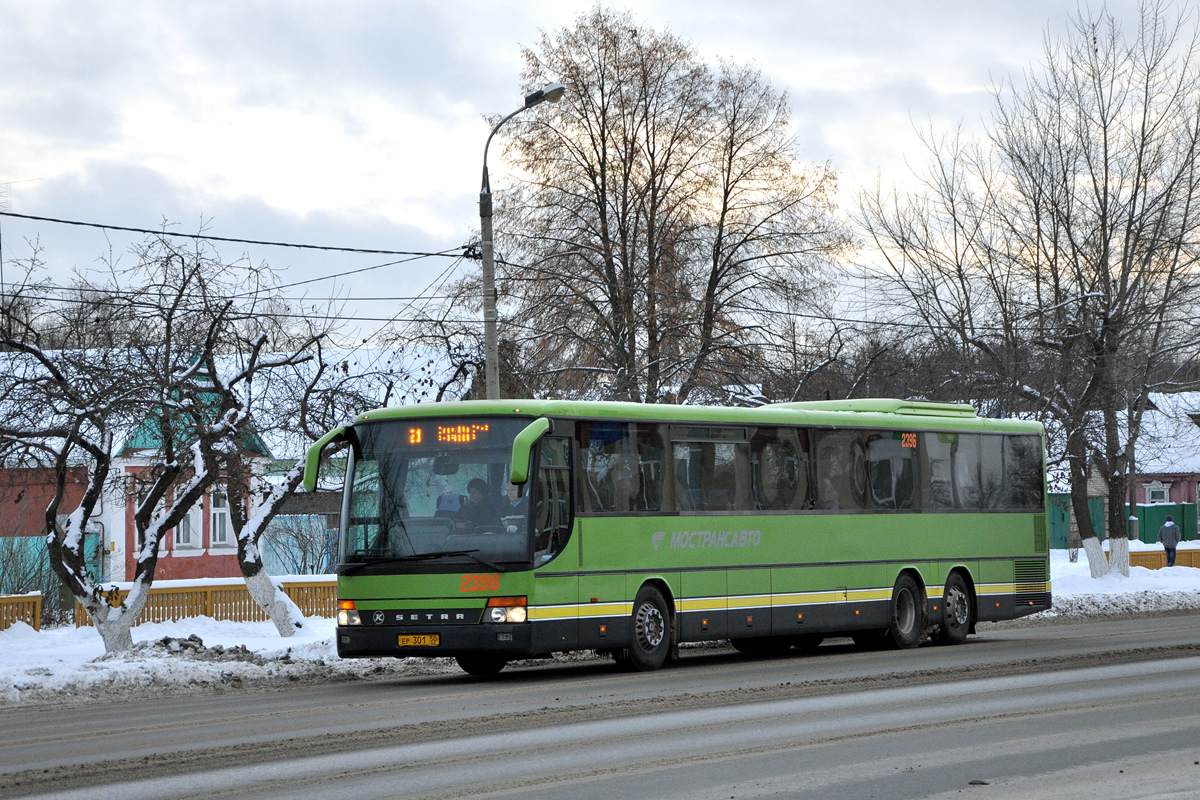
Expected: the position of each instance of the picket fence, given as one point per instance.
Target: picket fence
(25, 608)
(1157, 559)
(316, 597)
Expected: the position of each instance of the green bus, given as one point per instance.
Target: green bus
(497, 530)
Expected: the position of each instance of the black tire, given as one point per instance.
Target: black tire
(649, 630)
(958, 612)
(481, 665)
(907, 614)
(762, 645)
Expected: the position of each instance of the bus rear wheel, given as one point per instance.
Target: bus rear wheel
(957, 613)
(650, 638)
(907, 614)
(481, 665)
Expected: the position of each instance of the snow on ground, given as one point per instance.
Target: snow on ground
(1076, 593)
(196, 655)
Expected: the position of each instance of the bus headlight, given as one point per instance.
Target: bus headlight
(507, 609)
(347, 614)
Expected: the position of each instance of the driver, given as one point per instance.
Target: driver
(480, 508)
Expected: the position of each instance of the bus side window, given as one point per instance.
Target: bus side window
(552, 500)
(992, 491)
(891, 470)
(968, 492)
(805, 488)
(608, 466)
(938, 453)
(775, 469)
(1023, 473)
(687, 463)
(841, 470)
(711, 474)
(650, 453)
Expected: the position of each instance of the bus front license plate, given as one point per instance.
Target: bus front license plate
(423, 640)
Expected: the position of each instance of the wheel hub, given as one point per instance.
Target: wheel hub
(956, 606)
(650, 626)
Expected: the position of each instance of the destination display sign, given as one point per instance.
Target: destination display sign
(465, 433)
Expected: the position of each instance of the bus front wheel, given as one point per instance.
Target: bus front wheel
(650, 639)
(907, 615)
(481, 665)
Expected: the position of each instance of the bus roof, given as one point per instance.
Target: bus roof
(880, 413)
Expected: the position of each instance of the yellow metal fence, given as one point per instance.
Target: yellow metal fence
(25, 608)
(316, 597)
(1157, 559)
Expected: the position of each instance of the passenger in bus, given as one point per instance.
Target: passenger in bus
(513, 509)
(480, 509)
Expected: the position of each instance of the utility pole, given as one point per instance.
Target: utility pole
(4, 206)
(491, 343)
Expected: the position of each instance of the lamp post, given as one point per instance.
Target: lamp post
(491, 346)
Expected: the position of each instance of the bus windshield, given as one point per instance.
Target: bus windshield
(434, 491)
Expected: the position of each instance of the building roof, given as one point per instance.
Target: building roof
(1170, 439)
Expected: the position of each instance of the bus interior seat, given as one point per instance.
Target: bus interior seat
(449, 504)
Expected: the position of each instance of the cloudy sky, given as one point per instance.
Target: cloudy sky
(361, 124)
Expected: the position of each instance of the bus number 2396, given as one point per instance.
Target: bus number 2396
(480, 583)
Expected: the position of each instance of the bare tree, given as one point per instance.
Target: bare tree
(666, 210)
(1063, 251)
(64, 408)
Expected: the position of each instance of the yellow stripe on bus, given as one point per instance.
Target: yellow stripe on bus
(743, 602)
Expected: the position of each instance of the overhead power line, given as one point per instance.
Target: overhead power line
(454, 253)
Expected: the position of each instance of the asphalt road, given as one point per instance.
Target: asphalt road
(1107, 707)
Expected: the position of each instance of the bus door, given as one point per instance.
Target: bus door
(555, 554)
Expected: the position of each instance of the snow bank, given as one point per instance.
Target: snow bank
(199, 654)
(1076, 593)
(203, 655)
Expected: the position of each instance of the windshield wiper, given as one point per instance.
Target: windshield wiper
(468, 553)
(351, 568)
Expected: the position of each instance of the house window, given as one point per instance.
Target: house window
(220, 518)
(1157, 492)
(185, 533)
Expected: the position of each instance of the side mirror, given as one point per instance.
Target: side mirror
(518, 472)
(312, 459)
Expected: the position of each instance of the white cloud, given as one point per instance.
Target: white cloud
(336, 114)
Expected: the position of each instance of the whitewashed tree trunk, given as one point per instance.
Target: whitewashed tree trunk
(273, 600)
(1095, 556)
(1118, 555)
(115, 625)
(117, 634)
(262, 587)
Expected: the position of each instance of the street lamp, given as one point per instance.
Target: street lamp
(491, 347)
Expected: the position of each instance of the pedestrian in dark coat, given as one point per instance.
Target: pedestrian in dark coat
(1168, 534)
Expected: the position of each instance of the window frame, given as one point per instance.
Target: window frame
(220, 512)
